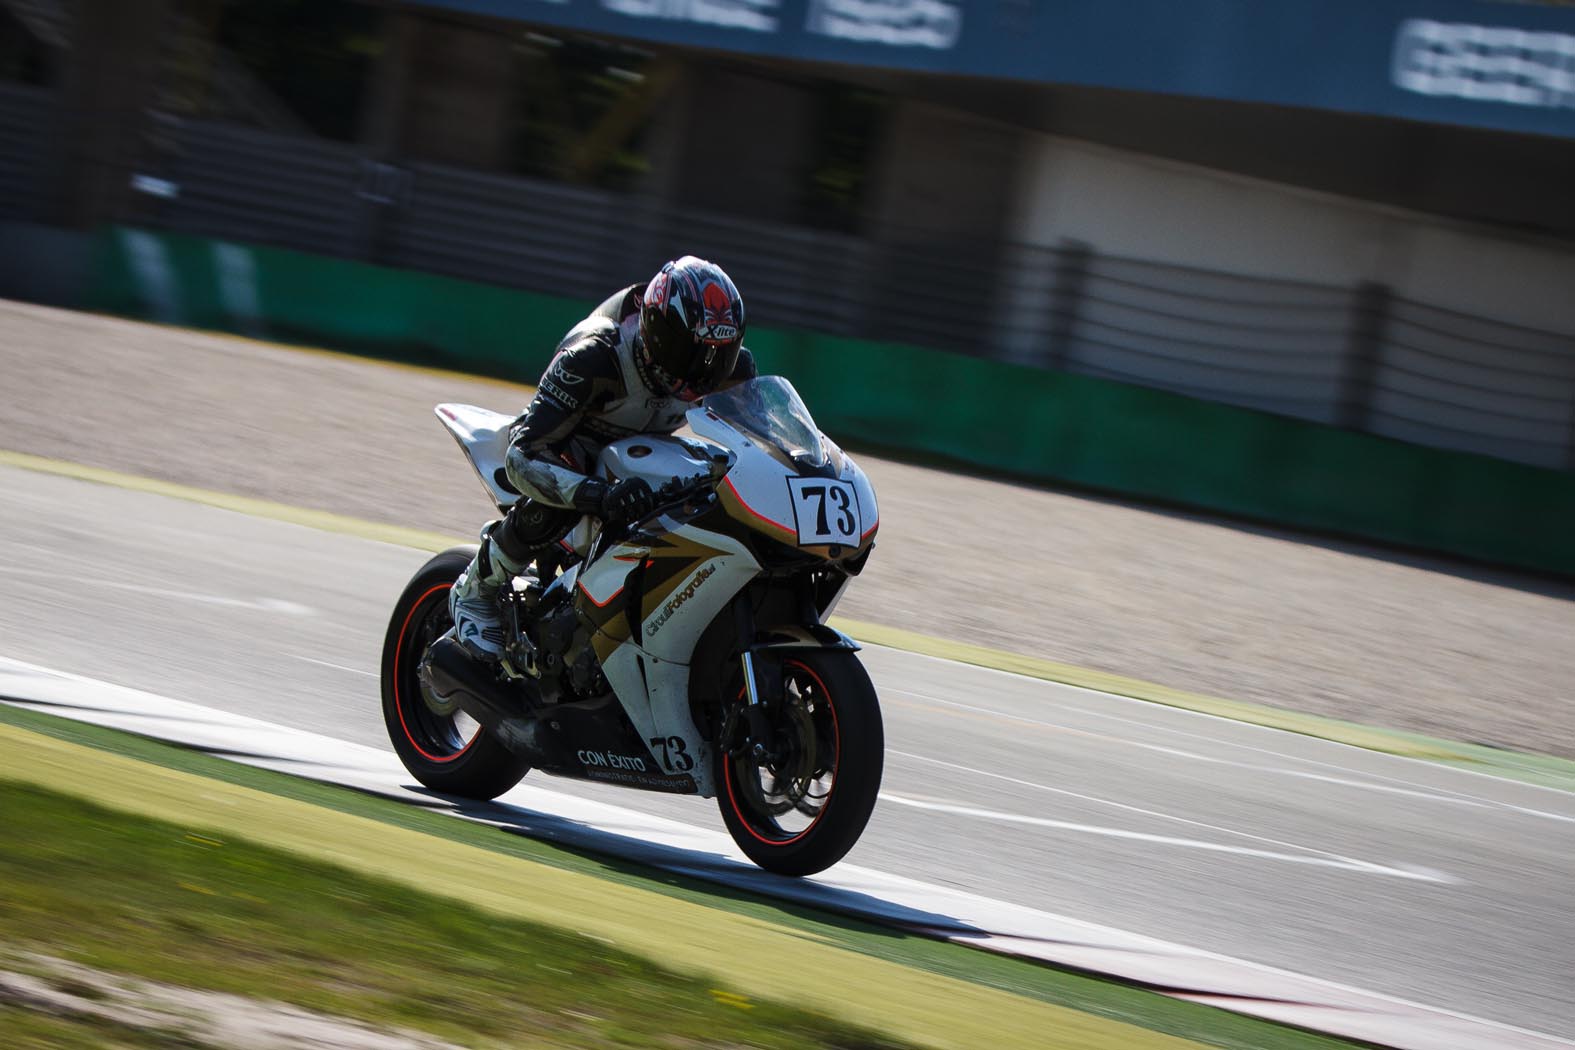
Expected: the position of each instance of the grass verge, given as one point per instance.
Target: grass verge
(930, 992)
(26, 1029)
(160, 901)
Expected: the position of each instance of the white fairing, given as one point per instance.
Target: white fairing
(656, 458)
(484, 435)
(650, 673)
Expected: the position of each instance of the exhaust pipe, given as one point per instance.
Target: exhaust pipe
(453, 677)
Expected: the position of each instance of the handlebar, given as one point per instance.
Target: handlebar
(675, 493)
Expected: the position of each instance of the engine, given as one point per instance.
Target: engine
(564, 657)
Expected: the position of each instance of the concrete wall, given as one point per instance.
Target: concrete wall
(1526, 282)
(1124, 203)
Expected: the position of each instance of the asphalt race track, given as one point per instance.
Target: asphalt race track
(1431, 884)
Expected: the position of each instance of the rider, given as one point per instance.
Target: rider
(631, 367)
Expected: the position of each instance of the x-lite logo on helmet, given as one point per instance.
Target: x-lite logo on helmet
(719, 326)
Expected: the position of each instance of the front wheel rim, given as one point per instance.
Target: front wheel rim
(781, 799)
(438, 733)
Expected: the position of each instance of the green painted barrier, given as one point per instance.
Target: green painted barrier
(290, 296)
(1029, 422)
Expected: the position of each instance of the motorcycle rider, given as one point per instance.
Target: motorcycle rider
(631, 367)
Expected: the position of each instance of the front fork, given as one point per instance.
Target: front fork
(762, 687)
(748, 727)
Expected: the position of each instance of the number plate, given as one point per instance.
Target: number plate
(826, 511)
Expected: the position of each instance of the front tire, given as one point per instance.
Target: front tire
(801, 809)
(438, 744)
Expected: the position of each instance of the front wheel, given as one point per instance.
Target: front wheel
(440, 745)
(800, 806)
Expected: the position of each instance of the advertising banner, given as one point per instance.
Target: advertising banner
(1504, 64)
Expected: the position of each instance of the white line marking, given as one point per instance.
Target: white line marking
(337, 667)
(1434, 795)
(1331, 861)
(1155, 706)
(1437, 794)
(1343, 860)
(277, 605)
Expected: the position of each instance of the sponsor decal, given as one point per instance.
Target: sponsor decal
(720, 324)
(560, 372)
(895, 23)
(558, 379)
(683, 784)
(677, 600)
(608, 760)
(552, 390)
(1485, 63)
(758, 16)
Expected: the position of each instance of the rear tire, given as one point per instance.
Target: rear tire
(802, 813)
(438, 746)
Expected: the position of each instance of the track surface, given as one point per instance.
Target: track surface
(1431, 884)
(1189, 602)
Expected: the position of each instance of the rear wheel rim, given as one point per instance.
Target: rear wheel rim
(782, 798)
(438, 732)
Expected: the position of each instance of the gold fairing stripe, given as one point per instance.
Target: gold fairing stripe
(672, 562)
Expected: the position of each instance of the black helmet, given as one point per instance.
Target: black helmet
(691, 326)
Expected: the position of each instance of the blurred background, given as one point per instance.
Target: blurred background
(1354, 214)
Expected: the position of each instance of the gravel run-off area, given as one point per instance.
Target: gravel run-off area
(1189, 601)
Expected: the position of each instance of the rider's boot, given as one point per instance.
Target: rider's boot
(466, 659)
(469, 657)
(473, 600)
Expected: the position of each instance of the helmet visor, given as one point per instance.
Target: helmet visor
(705, 368)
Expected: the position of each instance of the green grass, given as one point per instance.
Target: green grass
(1091, 994)
(146, 898)
(30, 1030)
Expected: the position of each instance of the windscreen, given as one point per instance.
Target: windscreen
(769, 409)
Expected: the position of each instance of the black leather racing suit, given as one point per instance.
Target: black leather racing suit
(593, 393)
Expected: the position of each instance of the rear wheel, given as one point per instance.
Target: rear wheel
(440, 745)
(798, 808)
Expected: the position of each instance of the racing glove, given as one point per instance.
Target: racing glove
(628, 500)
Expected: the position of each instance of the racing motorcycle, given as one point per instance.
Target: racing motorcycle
(685, 652)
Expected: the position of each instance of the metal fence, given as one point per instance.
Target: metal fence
(1357, 357)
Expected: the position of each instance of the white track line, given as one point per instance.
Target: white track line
(1315, 858)
(1373, 781)
(337, 667)
(1306, 854)
(1151, 706)
(276, 605)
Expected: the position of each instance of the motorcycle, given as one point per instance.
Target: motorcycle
(686, 652)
